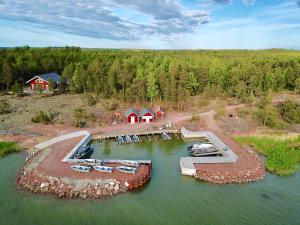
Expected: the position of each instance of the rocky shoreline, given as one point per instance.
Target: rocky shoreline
(63, 187)
(234, 176)
(68, 188)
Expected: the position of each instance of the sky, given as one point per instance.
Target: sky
(151, 24)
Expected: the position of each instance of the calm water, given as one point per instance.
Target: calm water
(169, 198)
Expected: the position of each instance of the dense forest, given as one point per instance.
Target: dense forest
(145, 75)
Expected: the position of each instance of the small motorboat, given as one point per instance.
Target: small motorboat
(136, 138)
(106, 169)
(204, 152)
(79, 168)
(165, 136)
(199, 146)
(91, 161)
(131, 163)
(120, 140)
(127, 169)
(84, 152)
(128, 139)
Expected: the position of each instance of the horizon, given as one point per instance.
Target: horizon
(153, 25)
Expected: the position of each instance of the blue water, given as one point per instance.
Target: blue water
(169, 198)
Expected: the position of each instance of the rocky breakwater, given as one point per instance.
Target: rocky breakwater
(68, 188)
(63, 187)
(227, 174)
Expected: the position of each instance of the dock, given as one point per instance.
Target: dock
(139, 133)
(187, 163)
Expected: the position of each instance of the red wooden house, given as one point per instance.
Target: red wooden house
(42, 82)
(132, 116)
(159, 112)
(146, 115)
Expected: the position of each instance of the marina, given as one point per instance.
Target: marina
(157, 201)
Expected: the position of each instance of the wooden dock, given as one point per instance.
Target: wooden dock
(139, 133)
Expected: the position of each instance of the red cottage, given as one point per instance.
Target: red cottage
(159, 112)
(146, 115)
(43, 81)
(132, 116)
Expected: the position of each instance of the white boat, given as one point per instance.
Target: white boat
(127, 169)
(120, 140)
(199, 146)
(106, 169)
(135, 138)
(132, 163)
(91, 161)
(84, 169)
(128, 139)
(165, 136)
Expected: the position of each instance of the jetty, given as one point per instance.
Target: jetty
(187, 163)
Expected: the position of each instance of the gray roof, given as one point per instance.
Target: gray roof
(146, 110)
(50, 76)
(130, 111)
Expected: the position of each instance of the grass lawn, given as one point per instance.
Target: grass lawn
(8, 147)
(283, 152)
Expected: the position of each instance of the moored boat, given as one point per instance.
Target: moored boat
(120, 140)
(131, 163)
(128, 139)
(165, 136)
(91, 161)
(135, 138)
(84, 152)
(106, 169)
(199, 146)
(127, 169)
(84, 169)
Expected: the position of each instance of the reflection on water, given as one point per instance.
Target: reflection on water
(169, 198)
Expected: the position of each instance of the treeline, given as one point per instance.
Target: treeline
(144, 75)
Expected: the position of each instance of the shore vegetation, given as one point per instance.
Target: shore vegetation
(282, 151)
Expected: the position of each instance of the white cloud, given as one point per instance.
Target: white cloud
(96, 18)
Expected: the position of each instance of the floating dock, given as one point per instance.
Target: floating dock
(139, 133)
(187, 163)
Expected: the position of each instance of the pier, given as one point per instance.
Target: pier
(187, 163)
(139, 133)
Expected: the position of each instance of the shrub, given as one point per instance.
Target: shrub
(290, 112)
(269, 116)
(8, 147)
(91, 100)
(17, 89)
(267, 113)
(80, 117)
(4, 107)
(43, 117)
(111, 105)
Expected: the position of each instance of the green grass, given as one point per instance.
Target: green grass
(283, 153)
(8, 147)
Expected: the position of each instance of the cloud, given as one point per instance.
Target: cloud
(224, 2)
(99, 19)
(249, 2)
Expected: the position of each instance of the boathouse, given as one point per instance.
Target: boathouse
(132, 116)
(159, 112)
(44, 81)
(146, 115)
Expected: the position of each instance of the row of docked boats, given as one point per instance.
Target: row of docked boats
(202, 149)
(128, 139)
(105, 169)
